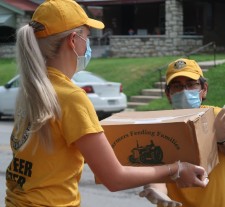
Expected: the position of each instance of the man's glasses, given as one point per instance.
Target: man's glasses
(176, 87)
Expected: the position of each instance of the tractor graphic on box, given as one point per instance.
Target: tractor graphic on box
(149, 154)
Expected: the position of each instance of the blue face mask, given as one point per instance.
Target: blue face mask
(186, 99)
(82, 61)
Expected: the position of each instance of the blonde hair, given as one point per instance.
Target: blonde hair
(37, 97)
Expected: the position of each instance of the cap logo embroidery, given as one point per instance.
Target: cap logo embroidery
(179, 64)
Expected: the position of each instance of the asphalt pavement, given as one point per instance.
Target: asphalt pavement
(92, 195)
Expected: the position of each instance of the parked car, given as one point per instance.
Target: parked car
(8, 94)
(107, 97)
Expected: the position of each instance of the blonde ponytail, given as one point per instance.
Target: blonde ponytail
(37, 98)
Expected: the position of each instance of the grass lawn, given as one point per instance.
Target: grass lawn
(138, 73)
(7, 70)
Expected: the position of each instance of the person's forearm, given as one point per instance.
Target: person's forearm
(130, 177)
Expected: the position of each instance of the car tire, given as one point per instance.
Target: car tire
(102, 116)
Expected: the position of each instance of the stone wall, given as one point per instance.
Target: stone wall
(8, 50)
(152, 45)
(134, 46)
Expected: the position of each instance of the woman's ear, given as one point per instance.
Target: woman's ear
(71, 40)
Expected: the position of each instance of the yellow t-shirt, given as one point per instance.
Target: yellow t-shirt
(212, 195)
(40, 177)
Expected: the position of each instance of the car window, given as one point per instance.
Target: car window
(87, 77)
(15, 83)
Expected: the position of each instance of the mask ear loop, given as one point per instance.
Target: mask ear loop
(75, 52)
(82, 39)
(203, 95)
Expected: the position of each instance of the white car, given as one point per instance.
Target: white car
(107, 97)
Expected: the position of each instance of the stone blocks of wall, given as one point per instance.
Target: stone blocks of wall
(7, 50)
(152, 45)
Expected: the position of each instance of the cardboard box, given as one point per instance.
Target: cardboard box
(160, 137)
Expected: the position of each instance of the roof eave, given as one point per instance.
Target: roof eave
(12, 8)
(114, 2)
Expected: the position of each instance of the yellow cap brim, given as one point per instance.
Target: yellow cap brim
(193, 76)
(95, 23)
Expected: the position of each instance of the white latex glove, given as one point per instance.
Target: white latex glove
(220, 126)
(156, 196)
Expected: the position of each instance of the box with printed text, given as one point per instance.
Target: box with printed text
(161, 137)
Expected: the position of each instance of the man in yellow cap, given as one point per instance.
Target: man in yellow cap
(186, 88)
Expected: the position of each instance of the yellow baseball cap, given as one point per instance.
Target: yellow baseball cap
(62, 15)
(183, 67)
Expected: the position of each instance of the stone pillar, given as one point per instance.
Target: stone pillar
(174, 25)
(174, 18)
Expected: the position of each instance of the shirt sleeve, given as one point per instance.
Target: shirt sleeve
(79, 117)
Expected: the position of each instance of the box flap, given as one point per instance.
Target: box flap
(150, 117)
